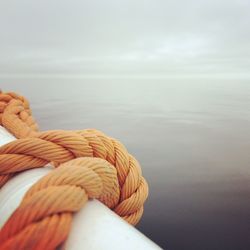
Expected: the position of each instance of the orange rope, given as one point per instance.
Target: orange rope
(88, 164)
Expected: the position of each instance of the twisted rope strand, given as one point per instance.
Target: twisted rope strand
(88, 164)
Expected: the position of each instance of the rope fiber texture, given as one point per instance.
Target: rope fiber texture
(87, 164)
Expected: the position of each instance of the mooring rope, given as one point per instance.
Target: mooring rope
(87, 164)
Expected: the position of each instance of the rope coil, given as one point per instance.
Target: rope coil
(88, 164)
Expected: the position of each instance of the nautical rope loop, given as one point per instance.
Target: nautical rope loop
(87, 164)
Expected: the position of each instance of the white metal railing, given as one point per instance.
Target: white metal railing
(94, 227)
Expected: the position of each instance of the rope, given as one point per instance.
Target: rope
(87, 164)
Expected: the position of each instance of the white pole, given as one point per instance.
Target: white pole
(94, 227)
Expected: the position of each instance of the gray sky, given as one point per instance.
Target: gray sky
(125, 38)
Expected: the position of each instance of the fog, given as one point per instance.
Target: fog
(170, 79)
(125, 38)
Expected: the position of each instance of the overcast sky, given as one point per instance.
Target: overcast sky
(125, 37)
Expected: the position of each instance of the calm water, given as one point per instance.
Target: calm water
(192, 138)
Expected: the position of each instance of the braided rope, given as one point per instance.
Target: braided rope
(88, 164)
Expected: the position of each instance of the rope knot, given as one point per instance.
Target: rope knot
(87, 164)
(16, 116)
(6, 98)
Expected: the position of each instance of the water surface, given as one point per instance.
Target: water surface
(191, 137)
